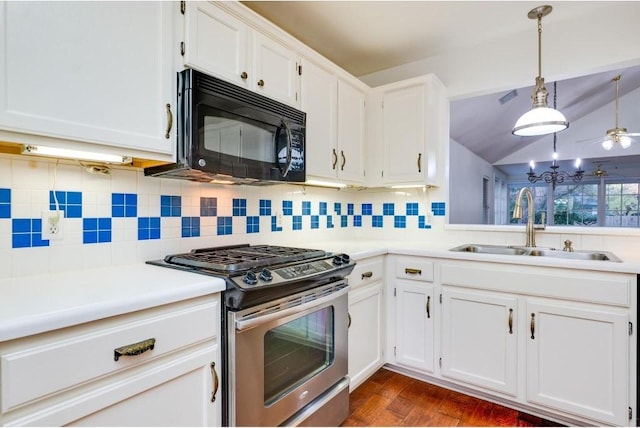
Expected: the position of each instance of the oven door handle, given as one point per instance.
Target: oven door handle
(242, 325)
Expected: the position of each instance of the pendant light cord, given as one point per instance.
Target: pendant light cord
(539, 44)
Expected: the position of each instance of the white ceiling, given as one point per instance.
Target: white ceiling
(365, 37)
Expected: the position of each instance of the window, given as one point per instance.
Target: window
(575, 205)
(539, 193)
(621, 204)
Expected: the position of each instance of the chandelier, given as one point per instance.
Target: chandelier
(554, 176)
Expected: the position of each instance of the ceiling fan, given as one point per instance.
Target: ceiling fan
(599, 172)
(616, 135)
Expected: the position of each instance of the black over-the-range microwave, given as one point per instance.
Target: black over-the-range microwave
(229, 134)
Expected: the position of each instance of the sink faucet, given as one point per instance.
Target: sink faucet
(517, 213)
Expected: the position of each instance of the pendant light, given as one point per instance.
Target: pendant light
(541, 119)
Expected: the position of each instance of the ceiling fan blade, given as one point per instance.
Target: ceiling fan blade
(592, 140)
(632, 134)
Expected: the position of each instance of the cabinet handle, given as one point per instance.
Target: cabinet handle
(167, 135)
(244, 75)
(366, 275)
(261, 83)
(344, 160)
(348, 320)
(411, 271)
(533, 325)
(428, 306)
(510, 321)
(335, 159)
(419, 162)
(216, 383)
(134, 348)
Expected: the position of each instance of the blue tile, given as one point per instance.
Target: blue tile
(73, 211)
(21, 225)
(265, 207)
(37, 241)
(412, 208)
(330, 222)
(337, 208)
(143, 222)
(239, 207)
(344, 221)
(367, 209)
(357, 220)
(154, 222)
(388, 208)
(287, 207)
(131, 211)
(143, 234)
(104, 235)
(176, 211)
(5, 210)
(349, 209)
(117, 211)
(104, 223)
(60, 196)
(297, 222)
(74, 198)
(377, 221)
(90, 237)
(5, 196)
(36, 225)
(306, 207)
(20, 240)
(253, 224)
(131, 199)
(165, 211)
(154, 233)
(117, 198)
(323, 208)
(400, 222)
(315, 222)
(225, 226)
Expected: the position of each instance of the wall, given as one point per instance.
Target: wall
(125, 217)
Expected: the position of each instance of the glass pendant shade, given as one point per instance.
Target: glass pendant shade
(540, 121)
(607, 144)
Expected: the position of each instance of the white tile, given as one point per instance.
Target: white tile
(5, 173)
(96, 255)
(30, 261)
(123, 180)
(123, 252)
(29, 174)
(65, 258)
(6, 262)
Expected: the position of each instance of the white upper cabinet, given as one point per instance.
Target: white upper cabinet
(97, 72)
(411, 130)
(219, 44)
(319, 90)
(335, 125)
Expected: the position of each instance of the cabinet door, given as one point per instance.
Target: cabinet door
(479, 339)
(414, 307)
(275, 70)
(365, 333)
(351, 122)
(216, 43)
(319, 93)
(577, 360)
(98, 72)
(404, 135)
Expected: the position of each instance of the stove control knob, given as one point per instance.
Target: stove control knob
(265, 275)
(345, 259)
(250, 278)
(337, 260)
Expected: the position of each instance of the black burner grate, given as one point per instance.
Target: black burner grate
(240, 258)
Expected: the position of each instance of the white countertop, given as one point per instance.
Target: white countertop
(35, 304)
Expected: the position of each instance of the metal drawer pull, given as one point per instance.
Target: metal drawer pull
(510, 321)
(344, 160)
(428, 306)
(244, 75)
(419, 162)
(348, 320)
(335, 159)
(411, 271)
(167, 135)
(134, 348)
(261, 83)
(216, 383)
(533, 325)
(366, 275)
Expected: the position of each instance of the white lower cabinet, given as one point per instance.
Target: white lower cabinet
(156, 367)
(577, 359)
(365, 320)
(412, 314)
(480, 339)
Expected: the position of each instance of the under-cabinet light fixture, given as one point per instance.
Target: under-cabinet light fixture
(541, 119)
(321, 183)
(74, 154)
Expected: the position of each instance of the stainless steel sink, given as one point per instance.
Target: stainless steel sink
(491, 249)
(537, 252)
(576, 255)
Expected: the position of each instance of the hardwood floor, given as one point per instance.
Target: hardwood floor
(391, 399)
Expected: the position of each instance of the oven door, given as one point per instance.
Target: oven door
(285, 358)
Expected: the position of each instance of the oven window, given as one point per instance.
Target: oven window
(296, 351)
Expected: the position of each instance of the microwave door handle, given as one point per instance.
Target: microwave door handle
(289, 149)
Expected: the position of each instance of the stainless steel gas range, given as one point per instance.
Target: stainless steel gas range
(285, 326)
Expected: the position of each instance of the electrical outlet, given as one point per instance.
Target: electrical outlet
(52, 225)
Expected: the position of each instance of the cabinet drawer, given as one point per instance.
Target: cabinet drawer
(37, 366)
(366, 272)
(414, 268)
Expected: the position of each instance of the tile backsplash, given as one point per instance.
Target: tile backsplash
(124, 217)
